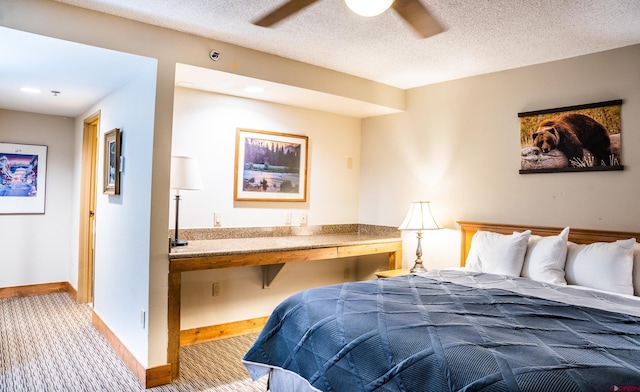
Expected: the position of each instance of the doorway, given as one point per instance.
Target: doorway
(88, 208)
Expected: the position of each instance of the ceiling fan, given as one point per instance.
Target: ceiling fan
(412, 11)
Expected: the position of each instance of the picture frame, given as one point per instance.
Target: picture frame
(23, 178)
(578, 138)
(112, 162)
(270, 166)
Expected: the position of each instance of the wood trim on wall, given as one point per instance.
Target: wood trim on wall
(73, 293)
(151, 377)
(36, 289)
(221, 331)
(87, 208)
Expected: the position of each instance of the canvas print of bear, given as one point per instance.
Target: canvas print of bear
(575, 138)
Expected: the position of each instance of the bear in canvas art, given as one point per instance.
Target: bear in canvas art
(571, 133)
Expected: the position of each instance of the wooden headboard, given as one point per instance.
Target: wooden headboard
(579, 236)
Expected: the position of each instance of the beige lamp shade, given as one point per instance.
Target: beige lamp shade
(419, 217)
(185, 173)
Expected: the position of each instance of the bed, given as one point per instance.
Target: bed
(530, 309)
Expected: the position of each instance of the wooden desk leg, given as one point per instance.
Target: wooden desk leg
(173, 322)
(395, 260)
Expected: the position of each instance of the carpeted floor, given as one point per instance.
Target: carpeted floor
(47, 343)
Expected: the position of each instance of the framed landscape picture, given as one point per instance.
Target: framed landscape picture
(270, 166)
(112, 162)
(571, 139)
(23, 168)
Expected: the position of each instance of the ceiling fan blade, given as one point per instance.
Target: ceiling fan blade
(418, 16)
(287, 9)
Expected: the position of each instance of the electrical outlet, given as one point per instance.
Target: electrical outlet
(215, 290)
(217, 219)
(303, 219)
(287, 218)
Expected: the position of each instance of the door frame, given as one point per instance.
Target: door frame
(88, 185)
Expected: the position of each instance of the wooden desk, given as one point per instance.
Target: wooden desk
(392, 272)
(269, 252)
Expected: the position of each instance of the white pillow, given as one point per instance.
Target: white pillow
(636, 270)
(497, 253)
(545, 258)
(604, 266)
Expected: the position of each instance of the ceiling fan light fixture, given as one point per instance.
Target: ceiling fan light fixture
(368, 7)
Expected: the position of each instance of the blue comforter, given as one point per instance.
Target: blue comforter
(413, 333)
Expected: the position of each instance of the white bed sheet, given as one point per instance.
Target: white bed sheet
(280, 380)
(569, 294)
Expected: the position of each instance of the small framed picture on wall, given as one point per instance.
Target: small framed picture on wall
(23, 176)
(112, 162)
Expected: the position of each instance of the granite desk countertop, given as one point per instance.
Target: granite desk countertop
(235, 246)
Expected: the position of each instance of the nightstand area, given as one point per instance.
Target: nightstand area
(392, 273)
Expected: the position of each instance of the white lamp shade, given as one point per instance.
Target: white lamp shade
(419, 217)
(368, 7)
(185, 173)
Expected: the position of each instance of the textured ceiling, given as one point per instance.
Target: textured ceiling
(482, 36)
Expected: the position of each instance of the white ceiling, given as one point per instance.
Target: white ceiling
(481, 36)
(82, 74)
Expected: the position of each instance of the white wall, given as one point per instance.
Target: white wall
(36, 248)
(458, 145)
(121, 273)
(205, 128)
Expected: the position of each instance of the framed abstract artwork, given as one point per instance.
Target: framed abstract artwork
(23, 168)
(270, 166)
(112, 162)
(571, 139)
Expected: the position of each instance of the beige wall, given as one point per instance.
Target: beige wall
(205, 128)
(37, 248)
(458, 146)
(49, 18)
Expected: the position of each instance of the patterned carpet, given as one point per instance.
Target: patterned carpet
(47, 344)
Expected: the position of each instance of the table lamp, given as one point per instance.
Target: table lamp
(185, 175)
(419, 218)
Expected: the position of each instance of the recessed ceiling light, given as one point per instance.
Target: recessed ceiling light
(254, 89)
(30, 90)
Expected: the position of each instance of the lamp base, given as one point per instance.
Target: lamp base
(418, 267)
(179, 243)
